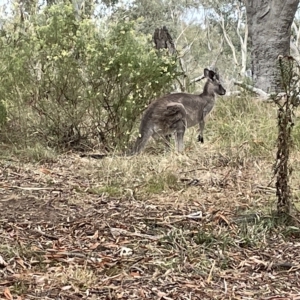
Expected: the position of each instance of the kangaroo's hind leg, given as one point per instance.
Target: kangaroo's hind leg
(180, 130)
(163, 138)
(176, 116)
(167, 141)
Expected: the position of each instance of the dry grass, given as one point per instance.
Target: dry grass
(197, 225)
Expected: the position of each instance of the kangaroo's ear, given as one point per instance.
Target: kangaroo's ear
(216, 77)
(211, 75)
(206, 73)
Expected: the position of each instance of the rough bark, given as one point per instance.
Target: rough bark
(269, 31)
(163, 39)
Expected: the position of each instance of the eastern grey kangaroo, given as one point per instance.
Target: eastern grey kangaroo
(174, 113)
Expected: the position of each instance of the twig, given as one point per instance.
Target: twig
(52, 237)
(32, 188)
(199, 78)
(262, 94)
(119, 231)
(226, 176)
(193, 170)
(55, 254)
(210, 272)
(283, 265)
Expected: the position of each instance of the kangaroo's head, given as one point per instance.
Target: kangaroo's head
(213, 85)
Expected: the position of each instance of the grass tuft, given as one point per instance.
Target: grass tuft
(158, 183)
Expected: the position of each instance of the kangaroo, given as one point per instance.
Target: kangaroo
(174, 113)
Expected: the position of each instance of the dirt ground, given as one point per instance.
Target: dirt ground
(61, 239)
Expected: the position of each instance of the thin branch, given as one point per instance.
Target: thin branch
(199, 78)
(228, 40)
(243, 41)
(207, 32)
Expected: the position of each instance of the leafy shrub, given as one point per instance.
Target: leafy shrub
(72, 82)
(128, 74)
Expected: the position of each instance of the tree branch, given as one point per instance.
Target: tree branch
(228, 40)
(262, 94)
(243, 41)
(199, 78)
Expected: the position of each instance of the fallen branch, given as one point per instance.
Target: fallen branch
(262, 94)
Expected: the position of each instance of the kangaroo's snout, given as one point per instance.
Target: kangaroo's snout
(222, 91)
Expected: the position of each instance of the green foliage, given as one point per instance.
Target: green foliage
(111, 190)
(130, 74)
(71, 81)
(37, 153)
(3, 114)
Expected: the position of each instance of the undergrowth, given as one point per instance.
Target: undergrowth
(244, 122)
(203, 217)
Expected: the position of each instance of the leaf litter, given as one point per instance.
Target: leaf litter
(62, 240)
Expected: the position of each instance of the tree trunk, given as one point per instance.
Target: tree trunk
(163, 39)
(269, 31)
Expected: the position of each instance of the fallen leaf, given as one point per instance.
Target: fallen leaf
(95, 235)
(3, 263)
(20, 262)
(135, 274)
(45, 171)
(7, 294)
(94, 246)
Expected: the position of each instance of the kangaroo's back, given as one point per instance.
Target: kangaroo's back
(162, 113)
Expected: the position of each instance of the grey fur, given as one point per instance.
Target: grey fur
(174, 113)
